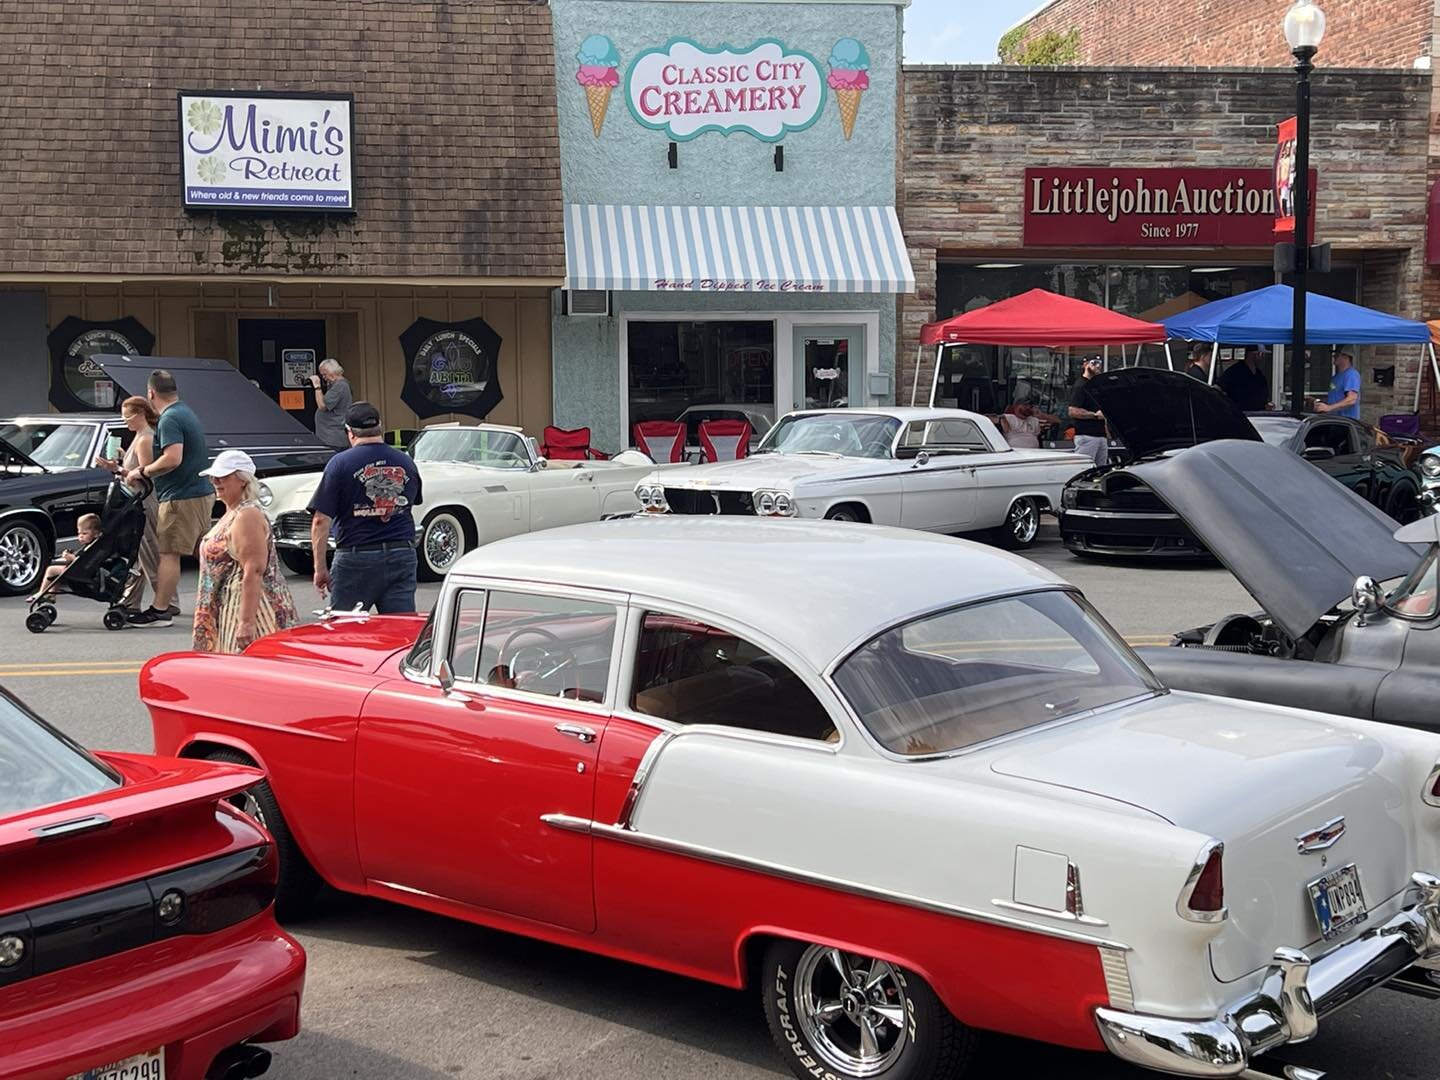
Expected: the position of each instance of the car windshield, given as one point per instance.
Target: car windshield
(859, 435)
(40, 767)
(1275, 430)
(472, 446)
(54, 445)
(959, 677)
(1416, 596)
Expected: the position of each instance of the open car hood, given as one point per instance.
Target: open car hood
(1152, 411)
(1294, 537)
(14, 457)
(234, 412)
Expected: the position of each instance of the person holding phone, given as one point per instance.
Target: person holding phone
(1090, 439)
(332, 400)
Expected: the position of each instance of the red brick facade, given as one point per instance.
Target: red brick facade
(1220, 33)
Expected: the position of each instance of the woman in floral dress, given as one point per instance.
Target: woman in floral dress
(243, 595)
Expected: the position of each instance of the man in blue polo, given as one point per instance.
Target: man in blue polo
(369, 492)
(1344, 396)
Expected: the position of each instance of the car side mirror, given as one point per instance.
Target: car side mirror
(1317, 453)
(922, 458)
(542, 463)
(1365, 597)
(446, 675)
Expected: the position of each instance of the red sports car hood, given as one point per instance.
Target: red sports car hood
(344, 642)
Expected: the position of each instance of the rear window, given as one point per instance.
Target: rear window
(40, 767)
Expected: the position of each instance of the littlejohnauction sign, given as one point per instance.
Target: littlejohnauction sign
(1102, 207)
(266, 152)
(685, 90)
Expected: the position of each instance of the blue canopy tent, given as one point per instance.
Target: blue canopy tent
(1264, 317)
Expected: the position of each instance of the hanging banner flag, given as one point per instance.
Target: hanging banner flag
(1285, 177)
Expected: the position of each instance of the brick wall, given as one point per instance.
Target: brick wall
(1358, 33)
(457, 149)
(970, 132)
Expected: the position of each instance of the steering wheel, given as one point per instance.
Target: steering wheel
(536, 663)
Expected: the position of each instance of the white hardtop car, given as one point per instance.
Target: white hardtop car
(942, 794)
(940, 470)
(479, 482)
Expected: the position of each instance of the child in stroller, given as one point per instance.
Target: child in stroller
(100, 569)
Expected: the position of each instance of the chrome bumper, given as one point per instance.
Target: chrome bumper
(1287, 1007)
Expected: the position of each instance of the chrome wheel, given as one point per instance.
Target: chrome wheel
(852, 1009)
(248, 804)
(20, 557)
(1023, 522)
(443, 544)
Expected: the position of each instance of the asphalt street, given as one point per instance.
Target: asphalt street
(395, 994)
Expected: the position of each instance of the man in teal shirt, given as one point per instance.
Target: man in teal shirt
(185, 497)
(1344, 396)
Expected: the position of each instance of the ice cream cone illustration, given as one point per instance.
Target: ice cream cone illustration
(849, 78)
(599, 75)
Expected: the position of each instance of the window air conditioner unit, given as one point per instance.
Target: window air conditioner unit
(587, 302)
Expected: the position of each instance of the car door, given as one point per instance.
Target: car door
(563, 493)
(451, 785)
(1331, 446)
(937, 488)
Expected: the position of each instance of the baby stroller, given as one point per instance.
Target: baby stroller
(102, 567)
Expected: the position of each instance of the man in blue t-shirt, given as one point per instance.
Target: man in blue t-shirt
(369, 493)
(1344, 396)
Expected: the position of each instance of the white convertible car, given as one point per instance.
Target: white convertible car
(480, 482)
(940, 470)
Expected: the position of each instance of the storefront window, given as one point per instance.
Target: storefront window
(674, 365)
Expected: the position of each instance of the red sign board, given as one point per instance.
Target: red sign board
(1103, 207)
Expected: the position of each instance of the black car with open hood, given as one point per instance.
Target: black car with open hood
(1110, 511)
(235, 413)
(1350, 619)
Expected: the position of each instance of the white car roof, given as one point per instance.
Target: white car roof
(902, 414)
(821, 587)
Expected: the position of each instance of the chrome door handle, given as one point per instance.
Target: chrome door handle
(577, 731)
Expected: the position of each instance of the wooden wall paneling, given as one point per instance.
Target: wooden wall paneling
(396, 313)
(535, 376)
(500, 315)
(212, 334)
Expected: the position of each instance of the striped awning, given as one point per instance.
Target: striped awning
(774, 249)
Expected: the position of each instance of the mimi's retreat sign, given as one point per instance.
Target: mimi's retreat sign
(267, 152)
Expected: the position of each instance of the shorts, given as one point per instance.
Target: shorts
(181, 524)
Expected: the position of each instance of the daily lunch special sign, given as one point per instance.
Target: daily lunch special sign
(266, 152)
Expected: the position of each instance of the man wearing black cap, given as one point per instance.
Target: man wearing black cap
(369, 492)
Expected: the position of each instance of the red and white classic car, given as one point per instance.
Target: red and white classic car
(137, 937)
(906, 786)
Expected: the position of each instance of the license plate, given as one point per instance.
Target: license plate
(147, 1066)
(1338, 902)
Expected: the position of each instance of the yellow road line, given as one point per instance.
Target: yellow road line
(32, 674)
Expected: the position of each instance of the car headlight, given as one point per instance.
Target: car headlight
(266, 496)
(784, 505)
(1430, 465)
(1067, 497)
(765, 503)
(774, 504)
(652, 498)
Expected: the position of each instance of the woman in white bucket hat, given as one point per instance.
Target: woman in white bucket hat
(243, 595)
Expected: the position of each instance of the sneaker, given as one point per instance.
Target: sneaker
(173, 611)
(150, 617)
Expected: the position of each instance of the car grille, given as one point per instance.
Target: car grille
(1139, 499)
(689, 501)
(293, 526)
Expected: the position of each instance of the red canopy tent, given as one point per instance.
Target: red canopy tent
(1036, 318)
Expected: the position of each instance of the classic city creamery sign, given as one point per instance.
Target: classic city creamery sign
(1103, 207)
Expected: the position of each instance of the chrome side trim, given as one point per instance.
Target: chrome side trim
(637, 783)
(1321, 839)
(1117, 979)
(71, 827)
(1182, 903)
(570, 823)
(1063, 916)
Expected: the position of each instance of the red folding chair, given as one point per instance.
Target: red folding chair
(562, 444)
(725, 440)
(661, 440)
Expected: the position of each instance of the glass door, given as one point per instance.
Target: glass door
(829, 367)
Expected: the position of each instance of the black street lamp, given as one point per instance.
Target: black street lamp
(1304, 28)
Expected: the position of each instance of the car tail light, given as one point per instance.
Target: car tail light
(1203, 898)
(215, 894)
(1431, 792)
